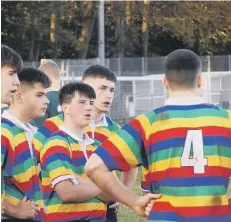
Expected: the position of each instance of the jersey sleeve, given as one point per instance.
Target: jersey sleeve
(56, 161)
(125, 149)
(41, 136)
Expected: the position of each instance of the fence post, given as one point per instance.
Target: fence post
(119, 67)
(229, 62)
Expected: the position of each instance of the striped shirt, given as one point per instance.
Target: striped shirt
(186, 148)
(19, 166)
(63, 156)
(99, 132)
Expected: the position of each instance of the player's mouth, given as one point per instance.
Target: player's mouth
(44, 109)
(107, 104)
(88, 116)
(13, 91)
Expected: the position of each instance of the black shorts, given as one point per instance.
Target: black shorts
(111, 215)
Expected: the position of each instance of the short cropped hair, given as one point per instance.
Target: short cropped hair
(182, 67)
(67, 92)
(31, 75)
(98, 71)
(50, 68)
(11, 58)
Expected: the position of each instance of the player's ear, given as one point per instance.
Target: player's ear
(18, 96)
(198, 81)
(165, 82)
(65, 108)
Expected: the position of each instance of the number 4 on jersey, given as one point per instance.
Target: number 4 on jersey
(198, 161)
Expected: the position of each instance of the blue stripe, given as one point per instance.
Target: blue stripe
(220, 218)
(134, 133)
(58, 156)
(179, 142)
(194, 181)
(19, 159)
(107, 159)
(45, 131)
(186, 107)
(165, 216)
(7, 122)
(109, 121)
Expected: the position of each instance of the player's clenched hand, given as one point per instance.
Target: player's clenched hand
(142, 202)
(27, 209)
(3, 207)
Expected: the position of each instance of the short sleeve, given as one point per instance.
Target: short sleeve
(56, 161)
(125, 149)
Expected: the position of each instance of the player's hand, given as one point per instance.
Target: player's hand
(148, 209)
(27, 209)
(81, 180)
(117, 207)
(229, 201)
(142, 202)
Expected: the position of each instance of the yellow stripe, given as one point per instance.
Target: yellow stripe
(229, 112)
(5, 132)
(46, 181)
(198, 201)
(124, 149)
(57, 121)
(37, 144)
(78, 207)
(144, 121)
(176, 163)
(190, 123)
(12, 200)
(25, 176)
(60, 171)
(19, 138)
(144, 174)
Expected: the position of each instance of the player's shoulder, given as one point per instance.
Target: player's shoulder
(148, 117)
(57, 138)
(8, 128)
(222, 112)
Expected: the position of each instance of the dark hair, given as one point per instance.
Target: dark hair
(182, 67)
(98, 71)
(11, 58)
(31, 75)
(67, 92)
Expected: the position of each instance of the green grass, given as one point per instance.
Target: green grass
(127, 215)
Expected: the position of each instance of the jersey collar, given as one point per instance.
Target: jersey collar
(182, 101)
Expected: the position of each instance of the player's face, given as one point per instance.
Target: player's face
(80, 110)
(34, 100)
(104, 90)
(9, 83)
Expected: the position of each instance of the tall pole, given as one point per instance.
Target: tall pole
(101, 46)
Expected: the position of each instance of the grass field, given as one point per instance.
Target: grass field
(126, 215)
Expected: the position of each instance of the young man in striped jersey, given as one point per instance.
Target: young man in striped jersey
(103, 80)
(19, 167)
(67, 193)
(185, 145)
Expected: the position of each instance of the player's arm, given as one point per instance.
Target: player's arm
(56, 160)
(128, 178)
(120, 152)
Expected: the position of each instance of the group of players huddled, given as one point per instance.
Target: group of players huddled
(60, 152)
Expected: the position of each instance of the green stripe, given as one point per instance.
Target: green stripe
(193, 191)
(22, 168)
(59, 163)
(206, 112)
(177, 152)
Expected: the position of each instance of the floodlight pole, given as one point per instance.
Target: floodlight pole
(101, 43)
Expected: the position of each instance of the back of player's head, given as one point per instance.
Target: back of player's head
(51, 69)
(98, 71)
(10, 58)
(31, 75)
(68, 91)
(182, 67)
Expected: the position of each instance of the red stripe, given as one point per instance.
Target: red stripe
(47, 188)
(192, 211)
(117, 156)
(75, 215)
(181, 132)
(187, 172)
(22, 147)
(51, 126)
(28, 185)
(100, 137)
(54, 149)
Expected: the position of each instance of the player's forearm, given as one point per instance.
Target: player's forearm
(128, 178)
(109, 183)
(80, 192)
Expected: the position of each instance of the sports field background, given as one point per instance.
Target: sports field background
(127, 215)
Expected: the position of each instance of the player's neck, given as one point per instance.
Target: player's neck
(183, 93)
(20, 114)
(76, 130)
(97, 116)
(55, 86)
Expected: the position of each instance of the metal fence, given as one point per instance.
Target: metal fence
(136, 66)
(140, 88)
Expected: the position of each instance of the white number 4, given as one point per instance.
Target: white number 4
(198, 161)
